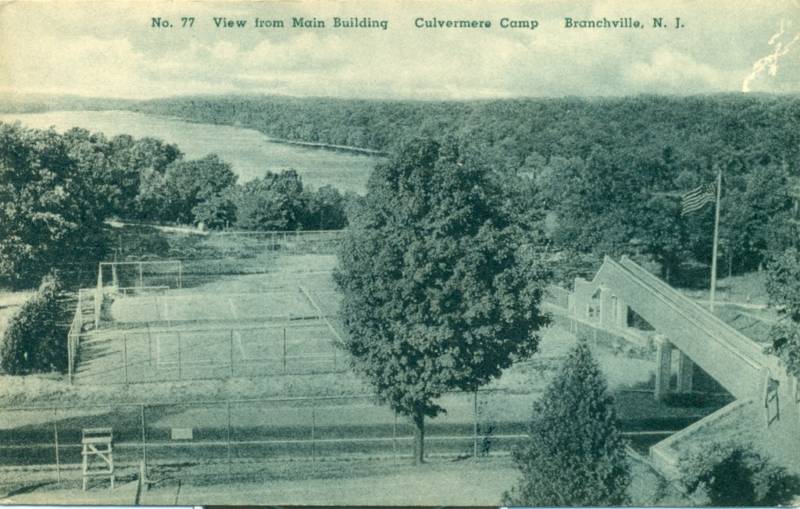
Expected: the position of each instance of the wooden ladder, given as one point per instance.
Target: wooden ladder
(97, 442)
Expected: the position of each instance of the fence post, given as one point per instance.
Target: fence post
(55, 443)
(69, 357)
(230, 466)
(231, 352)
(179, 356)
(313, 430)
(98, 298)
(394, 438)
(125, 355)
(141, 275)
(284, 350)
(475, 426)
(144, 443)
(142, 477)
(180, 274)
(149, 345)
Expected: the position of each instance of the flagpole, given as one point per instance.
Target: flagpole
(716, 242)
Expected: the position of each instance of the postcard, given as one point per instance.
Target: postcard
(400, 253)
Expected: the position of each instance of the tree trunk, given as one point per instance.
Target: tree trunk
(419, 438)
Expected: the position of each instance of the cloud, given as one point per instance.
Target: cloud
(673, 72)
(45, 47)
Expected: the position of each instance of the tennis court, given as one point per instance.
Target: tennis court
(242, 325)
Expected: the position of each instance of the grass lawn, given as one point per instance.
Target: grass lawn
(746, 288)
(438, 482)
(225, 287)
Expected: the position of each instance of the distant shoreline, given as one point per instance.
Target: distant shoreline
(309, 144)
(326, 146)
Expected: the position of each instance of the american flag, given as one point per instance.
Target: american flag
(697, 198)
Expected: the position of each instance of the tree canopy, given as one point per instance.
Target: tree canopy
(51, 204)
(783, 287)
(610, 169)
(435, 296)
(57, 190)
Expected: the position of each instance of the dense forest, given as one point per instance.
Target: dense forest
(57, 191)
(604, 175)
(609, 173)
(523, 130)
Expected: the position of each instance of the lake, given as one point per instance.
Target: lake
(249, 152)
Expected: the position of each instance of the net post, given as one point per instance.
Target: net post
(55, 443)
(141, 275)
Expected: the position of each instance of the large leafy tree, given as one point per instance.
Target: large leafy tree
(755, 215)
(326, 209)
(616, 202)
(575, 455)
(50, 209)
(190, 183)
(274, 202)
(115, 167)
(436, 296)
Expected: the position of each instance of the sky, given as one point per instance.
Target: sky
(105, 49)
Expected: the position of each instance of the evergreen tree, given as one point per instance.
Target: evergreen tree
(575, 455)
(35, 339)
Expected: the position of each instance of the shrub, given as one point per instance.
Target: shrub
(575, 454)
(731, 474)
(783, 287)
(35, 339)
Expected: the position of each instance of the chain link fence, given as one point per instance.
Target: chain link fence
(185, 439)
